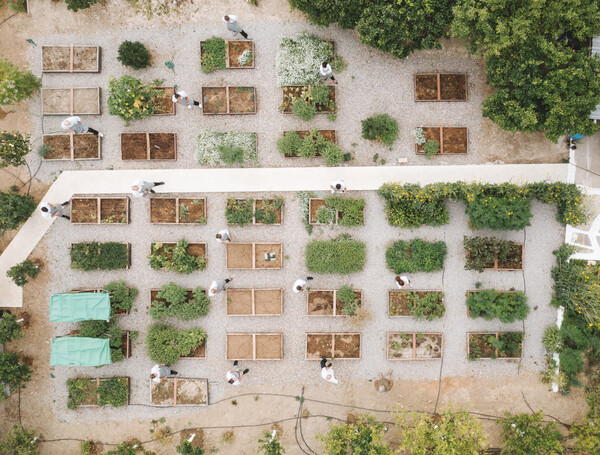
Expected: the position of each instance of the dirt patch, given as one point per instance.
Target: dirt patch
(339, 305)
(197, 249)
(320, 303)
(264, 250)
(60, 147)
(237, 48)
(198, 440)
(428, 346)
(267, 301)
(239, 255)
(239, 347)
(479, 346)
(86, 101)
(86, 146)
(56, 101)
(114, 210)
(401, 302)
(239, 301)
(426, 88)
(347, 346)
(514, 260)
(163, 146)
(399, 346)
(164, 104)
(319, 344)
(85, 58)
(163, 393)
(192, 211)
(214, 100)
(191, 391)
(268, 347)
(134, 146)
(84, 210)
(242, 100)
(455, 140)
(90, 394)
(453, 87)
(58, 58)
(163, 210)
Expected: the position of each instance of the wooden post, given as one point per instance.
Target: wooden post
(71, 99)
(71, 134)
(175, 392)
(177, 221)
(253, 302)
(71, 64)
(98, 210)
(148, 146)
(227, 96)
(441, 140)
(254, 346)
(253, 255)
(439, 88)
(414, 335)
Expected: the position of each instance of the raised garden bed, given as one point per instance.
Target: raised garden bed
(414, 346)
(198, 250)
(100, 210)
(452, 140)
(293, 92)
(328, 135)
(336, 345)
(117, 311)
(70, 59)
(254, 302)
(356, 209)
(175, 210)
(165, 105)
(489, 253)
(498, 345)
(96, 392)
(187, 308)
(507, 306)
(233, 49)
(72, 147)
(415, 255)
(419, 304)
(180, 392)
(71, 101)
(148, 146)
(327, 303)
(441, 87)
(254, 346)
(89, 256)
(228, 100)
(252, 255)
(256, 211)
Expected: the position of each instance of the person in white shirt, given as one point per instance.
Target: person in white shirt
(234, 376)
(183, 99)
(50, 211)
(74, 124)
(300, 284)
(159, 371)
(215, 287)
(233, 26)
(327, 371)
(338, 185)
(224, 236)
(141, 188)
(402, 281)
(326, 72)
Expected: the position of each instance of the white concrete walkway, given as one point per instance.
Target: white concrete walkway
(246, 180)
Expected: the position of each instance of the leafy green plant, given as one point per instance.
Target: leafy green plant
(16, 85)
(304, 109)
(490, 304)
(552, 339)
(20, 272)
(325, 215)
(133, 54)
(499, 213)
(213, 55)
(79, 389)
(174, 302)
(270, 445)
(10, 329)
(108, 330)
(289, 144)
(319, 94)
(266, 212)
(13, 148)
(230, 155)
(132, 99)
(482, 252)
(20, 441)
(186, 448)
(89, 256)
(332, 153)
(526, 434)
(305, 197)
(419, 136)
(415, 256)
(587, 435)
(239, 211)
(429, 307)
(332, 117)
(131, 447)
(13, 373)
(113, 391)
(410, 206)
(338, 64)
(363, 435)
(175, 258)
(351, 210)
(14, 209)
(76, 5)
(431, 148)
(342, 255)
(381, 127)
(20, 6)
(121, 296)
(166, 344)
(346, 295)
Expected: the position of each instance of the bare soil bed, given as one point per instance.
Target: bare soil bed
(148, 146)
(254, 302)
(441, 87)
(84, 146)
(180, 392)
(165, 104)
(252, 256)
(70, 101)
(228, 100)
(327, 303)
(70, 59)
(94, 210)
(337, 345)
(164, 210)
(236, 48)
(414, 346)
(254, 346)
(452, 140)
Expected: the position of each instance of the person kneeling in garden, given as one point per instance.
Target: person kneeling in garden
(183, 99)
(49, 211)
(74, 124)
(402, 281)
(141, 188)
(224, 236)
(235, 376)
(327, 371)
(215, 287)
(300, 284)
(384, 384)
(160, 371)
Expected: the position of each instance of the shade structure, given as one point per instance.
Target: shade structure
(81, 306)
(80, 351)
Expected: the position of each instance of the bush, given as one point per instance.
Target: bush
(552, 339)
(289, 144)
(526, 434)
(319, 94)
(14, 209)
(363, 436)
(20, 6)
(587, 435)
(500, 213)
(342, 255)
(175, 258)
(338, 64)
(270, 445)
(166, 344)
(89, 256)
(20, 272)
(107, 330)
(429, 307)
(332, 153)
(347, 296)
(571, 361)
(213, 55)
(20, 441)
(325, 215)
(415, 256)
(135, 447)
(490, 304)
(245, 58)
(303, 109)
(134, 54)
(381, 127)
(209, 143)
(121, 296)
(186, 448)
(230, 155)
(410, 206)
(482, 252)
(13, 148)
(299, 57)
(76, 5)
(13, 373)
(10, 329)
(239, 211)
(132, 99)
(174, 303)
(15, 85)
(113, 391)
(267, 212)
(431, 148)
(351, 210)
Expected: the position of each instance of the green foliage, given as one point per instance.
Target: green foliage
(166, 344)
(452, 432)
(20, 272)
(319, 94)
(76, 5)
(332, 117)
(381, 127)
(332, 153)
(571, 361)
(429, 307)
(303, 109)
(342, 255)
(10, 329)
(79, 389)
(186, 448)
(239, 211)
(14, 209)
(363, 436)
(526, 434)
(587, 435)
(266, 212)
(304, 197)
(325, 215)
(114, 391)
(20, 6)
(15, 85)
(482, 251)
(345, 13)
(132, 99)
(552, 339)
(126, 447)
(351, 210)
(121, 296)
(13, 148)
(89, 256)
(133, 54)
(347, 296)
(431, 148)
(13, 373)
(20, 441)
(230, 155)
(213, 55)
(338, 64)
(415, 256)
(500, 213)
(245, 58)
(175, 258)
(289, 144)
(411, 206)
(490, 304)
(174, 303)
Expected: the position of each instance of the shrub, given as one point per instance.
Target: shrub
(363, 436)
(20, 441)
(89, 256)
(505, 306)
(230, 155)
(76, 5)
(78, 390)
(267, 212)
(175, 258)
(482, 252)
(135, 447)
(415, 256)
(304, 109)
(351, 210)
(431, 148)
(121, 296)
(332, 153)
(209, 143)
(239, 211)
(381, 127)
(107, 330)
(410, 206)
(526, 434)
(338, 64)
(342, 255)
(289, 144)
(419, 136)
(325, 215)
(245, 58)
(132, 99)
(552, 339)
(20, 6)
(14, 209)
(186, 448)
(499, 213)
(587, 435)
(299, 57)
(13, 373)
(10, 329)
(319, 94)
(13, 148)
(15, 85)
(346, 295)
(213, 55)
(270, 445)
(166, 344)
(428, 307)
(20, 272)
(113, 391)
(175, 303)
(134, 54)
(571, 361)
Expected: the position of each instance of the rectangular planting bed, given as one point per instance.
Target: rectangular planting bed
(233, 49)
(253, 255)
(314, 204)
(328, 135)
(93, 260)
(91, 398)
(176, 210)
(292, 92)
(71, 59)
(197, 249)
(180, 392)
(327, 303)
(399, 302)
(71, 101)
(71, 146)
(336, 345)
(148, 146)
(441, 87)
(452, 140)
(100, 210)
(118, 311)
(414, 346)
(258, 211)
(228, 100)
(254, 346)
(165, 105)
(513, 262)
(254, 302)
(508, 345)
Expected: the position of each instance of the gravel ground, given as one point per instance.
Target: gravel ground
(540, 239)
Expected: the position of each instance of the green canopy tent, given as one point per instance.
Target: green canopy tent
(81, 306)
(80, 351)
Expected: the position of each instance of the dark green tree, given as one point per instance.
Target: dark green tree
(14, 209)
(346, 13)
(20, 441)
(13, 373)
(76, 5)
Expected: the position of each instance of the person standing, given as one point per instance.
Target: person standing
(326, 72)
(224, 236)
(402, 281)
(300, 284)
(233, 26)
(74, 124)
(183, 99)
(338, 185)
(160, 371)
(215, 287)
(384, 384)
(234, 376)
(141, 188)
(50, 211)
(327, 371)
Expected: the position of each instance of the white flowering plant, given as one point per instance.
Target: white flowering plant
(245, 58)
(208, 143)
(419, 136)
(16, 85)
(299, 58)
